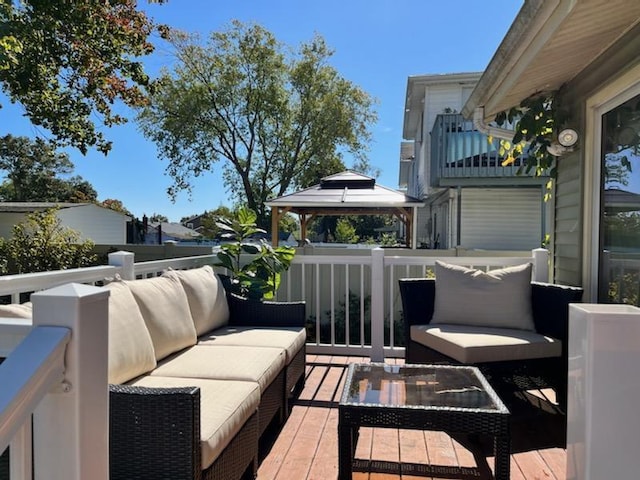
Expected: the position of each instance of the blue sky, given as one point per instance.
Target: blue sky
(377, 43)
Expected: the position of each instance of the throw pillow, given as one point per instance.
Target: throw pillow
(497, 298)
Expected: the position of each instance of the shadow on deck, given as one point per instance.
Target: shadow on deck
(306, 447)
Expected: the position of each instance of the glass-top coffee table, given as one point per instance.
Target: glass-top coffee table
(453, 399)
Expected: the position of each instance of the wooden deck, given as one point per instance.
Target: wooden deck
(306, 447)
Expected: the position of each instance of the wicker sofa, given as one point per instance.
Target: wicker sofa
(196, 376)
(516, 357)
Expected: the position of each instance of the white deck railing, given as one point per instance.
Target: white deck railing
(353, 300)
(54, 384)
(58, 373)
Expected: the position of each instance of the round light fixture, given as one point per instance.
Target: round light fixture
(568, 137)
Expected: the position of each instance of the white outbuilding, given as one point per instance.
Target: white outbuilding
(93, 222)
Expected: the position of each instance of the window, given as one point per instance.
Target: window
(619, 260)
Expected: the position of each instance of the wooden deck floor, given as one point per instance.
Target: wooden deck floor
(306, 447)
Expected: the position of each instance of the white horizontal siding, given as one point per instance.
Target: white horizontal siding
(7, 221)
(100, 225)
(501, 218)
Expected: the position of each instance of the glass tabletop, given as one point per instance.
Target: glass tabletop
(419, 386)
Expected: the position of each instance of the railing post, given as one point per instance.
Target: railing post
(541, 264)
(71, 424)
(125, 260)
(377, 305)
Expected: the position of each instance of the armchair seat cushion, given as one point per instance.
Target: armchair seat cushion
(470, 344)
(225, 406)
(291, 339)
(252, 364)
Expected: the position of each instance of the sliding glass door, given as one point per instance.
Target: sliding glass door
(619, 252)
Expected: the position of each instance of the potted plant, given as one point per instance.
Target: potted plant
(259, 277)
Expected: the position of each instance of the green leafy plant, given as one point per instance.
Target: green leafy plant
(537, 119)
(41, 243)
(259, 278)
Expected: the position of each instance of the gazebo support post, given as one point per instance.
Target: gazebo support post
(275, 220)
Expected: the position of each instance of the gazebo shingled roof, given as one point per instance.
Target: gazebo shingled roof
(345, 193)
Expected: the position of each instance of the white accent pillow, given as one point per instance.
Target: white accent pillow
(206, 296)
(165, 309)
(498, 298)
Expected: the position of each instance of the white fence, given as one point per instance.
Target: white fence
(58, 372)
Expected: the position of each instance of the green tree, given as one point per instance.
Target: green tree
(158, 218)
(345, 232)
(32, 173)
(271, 114)
(41, 243)
(116, 205)
(67, 62)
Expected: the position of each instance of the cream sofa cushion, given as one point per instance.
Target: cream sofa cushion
(252, 364)
(165, 309)
(498, 298)
(16, 310)
(206, 296)
(130, 349)
(291, 339)
(225, 406)
(472, 344)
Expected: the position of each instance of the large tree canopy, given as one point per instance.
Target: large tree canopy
(271, 113)
(67, 62)
(34, 171)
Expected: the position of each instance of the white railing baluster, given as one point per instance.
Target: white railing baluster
(333, 305)
(362, 295)
(347, 309)
(377, 304)
(21, 454)
(318, 304)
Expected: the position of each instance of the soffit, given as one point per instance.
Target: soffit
(548, 45)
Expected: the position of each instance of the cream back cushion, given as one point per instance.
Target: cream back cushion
(165, 309)
(130, 349)
(498, 298)
(16, 310)
(206, 297)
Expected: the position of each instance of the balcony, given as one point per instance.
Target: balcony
(461, 155)
(306, 445)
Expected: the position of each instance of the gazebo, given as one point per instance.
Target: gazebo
(346, 193)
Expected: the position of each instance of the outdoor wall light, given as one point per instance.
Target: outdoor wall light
(568, 137)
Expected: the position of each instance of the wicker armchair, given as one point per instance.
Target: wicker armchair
(550, 305)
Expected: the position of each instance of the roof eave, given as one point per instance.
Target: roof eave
(522, 41)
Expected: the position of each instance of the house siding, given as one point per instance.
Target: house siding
(568, 247)
(7, 221)
(100, 225)
(568, 221)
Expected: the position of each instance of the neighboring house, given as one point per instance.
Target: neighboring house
(471, 200)
(101, 225)
(587, 52)
(161, 232)
(196, 223)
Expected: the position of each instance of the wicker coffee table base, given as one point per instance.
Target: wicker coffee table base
(352, 416)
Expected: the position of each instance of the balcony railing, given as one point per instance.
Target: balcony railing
(460, 154)
(352, 306)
